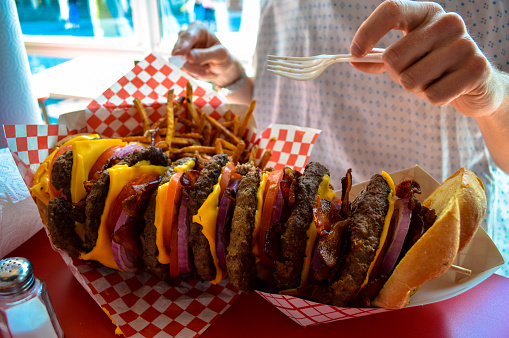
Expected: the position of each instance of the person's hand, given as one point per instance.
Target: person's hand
(436, 58)
(206, 57)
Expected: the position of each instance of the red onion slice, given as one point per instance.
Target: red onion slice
(226, 206)
(183, 237)
(124, 151)
(400, 231)
(123, 257)
(277, 209)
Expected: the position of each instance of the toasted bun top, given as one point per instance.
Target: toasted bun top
(460, 205)
(469, 190)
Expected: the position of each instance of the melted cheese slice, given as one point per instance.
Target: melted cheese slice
(162, 218)
(258, 216)
(41, 181)
(385, 229)
(207, 217)
(84, 155)
(120, 175)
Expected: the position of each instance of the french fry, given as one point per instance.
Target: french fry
(238, 152)
(228, 145)
(252, 154)
(246, 119)
(187, 123)
(140, 139)
(219, 146)
(265, 159)
(207, 134)
(236, 125)
(192, 149)
(228, 124)
(201, 124)
(190, 135)
(190, 105)
(143, 114)
(225, 131)
(160, 123)
(170, 119)
(182, 141)
(228, 116)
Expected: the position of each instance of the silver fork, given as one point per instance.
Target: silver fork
(308, 68)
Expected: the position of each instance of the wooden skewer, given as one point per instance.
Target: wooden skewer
(461, 270)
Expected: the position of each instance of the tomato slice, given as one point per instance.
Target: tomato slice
(271, 189)
(101, 160)
(226, 174)
(170, 230)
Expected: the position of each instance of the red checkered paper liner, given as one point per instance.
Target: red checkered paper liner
(290, 145)
(307, 313)
(113, 112)
(30, 145)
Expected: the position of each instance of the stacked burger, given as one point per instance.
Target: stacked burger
(129, 208)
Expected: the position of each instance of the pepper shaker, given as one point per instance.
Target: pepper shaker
(25, 307)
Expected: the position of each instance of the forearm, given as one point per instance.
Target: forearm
(243, 94)
(495, 127)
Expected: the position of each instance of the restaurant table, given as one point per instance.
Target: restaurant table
(482, 311)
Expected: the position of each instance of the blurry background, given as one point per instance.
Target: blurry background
(77, 48)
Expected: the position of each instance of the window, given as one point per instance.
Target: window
(71, 28)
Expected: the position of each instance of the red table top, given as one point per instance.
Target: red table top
(479, 312)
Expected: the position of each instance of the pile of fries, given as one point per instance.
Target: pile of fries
(200, 136)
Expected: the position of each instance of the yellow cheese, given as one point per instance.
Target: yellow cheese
(120, 175)
(161, 199)
(310, 244)
(324, 190)
(161, 218)
(385, 229)
(258, 216)
(41, 180)
(84, 155)
(207, 217)
(189, 165)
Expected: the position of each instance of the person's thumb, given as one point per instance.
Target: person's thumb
(214, 54)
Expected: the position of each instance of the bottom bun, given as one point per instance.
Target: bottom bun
(429, 258)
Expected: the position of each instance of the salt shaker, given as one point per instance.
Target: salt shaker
(25, 306)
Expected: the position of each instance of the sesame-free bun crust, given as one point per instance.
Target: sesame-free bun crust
(460, 205)
(469, 190)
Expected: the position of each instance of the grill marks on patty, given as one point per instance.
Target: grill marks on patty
(61, 226)
(204, 185)
(61, 173)
(368, 212)
(240, 260)
(289, 267)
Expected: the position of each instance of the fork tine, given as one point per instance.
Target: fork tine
(298, 77)
(291, 58)
(303, 64)
(297, 70)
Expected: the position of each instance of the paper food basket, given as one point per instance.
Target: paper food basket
(142, 305)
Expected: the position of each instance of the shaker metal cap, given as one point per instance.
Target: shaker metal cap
(16, 274)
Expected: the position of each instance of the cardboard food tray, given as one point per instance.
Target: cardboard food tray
(480, 255)
(142, 305)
